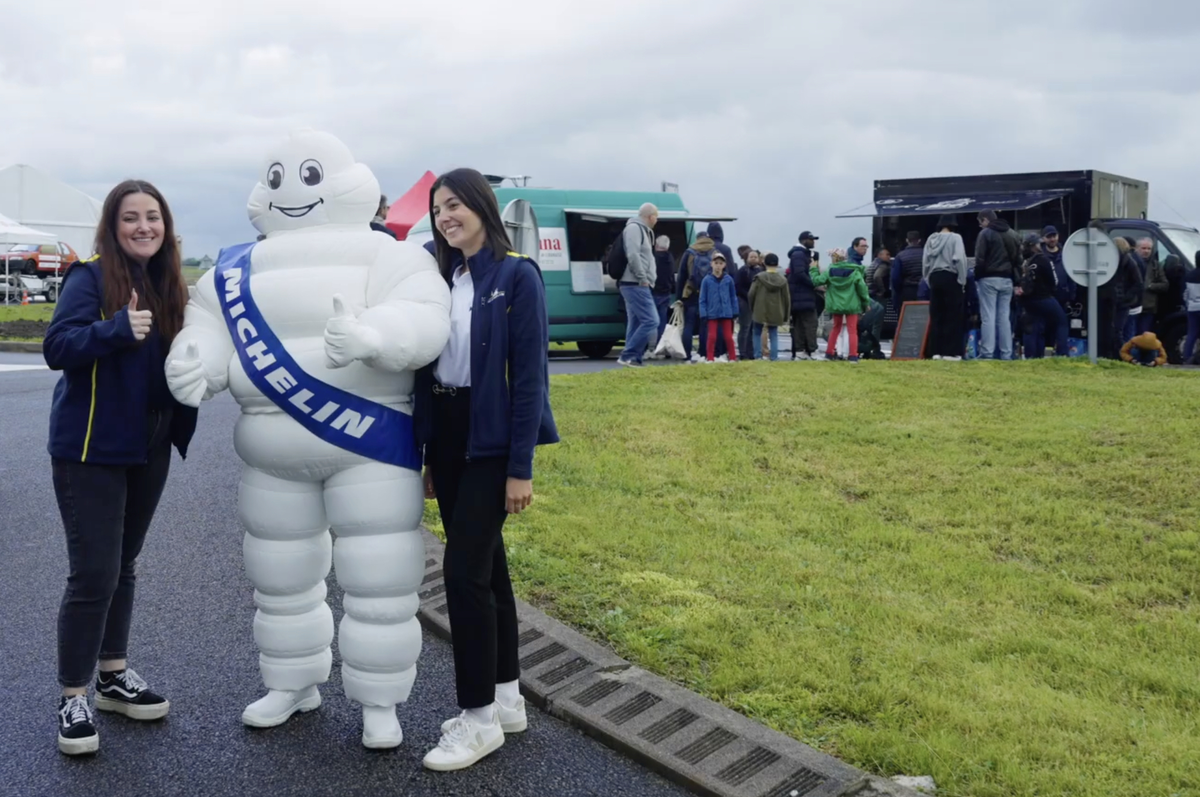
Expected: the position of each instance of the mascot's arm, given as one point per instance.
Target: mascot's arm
(408, 305)
(204, 326)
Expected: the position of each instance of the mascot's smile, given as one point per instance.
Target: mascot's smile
(296, 212)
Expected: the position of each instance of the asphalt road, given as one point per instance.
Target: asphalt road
(192, 640)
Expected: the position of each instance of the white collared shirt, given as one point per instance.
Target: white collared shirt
(454, 366)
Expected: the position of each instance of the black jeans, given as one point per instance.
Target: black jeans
(946, 314)
(106, 512)
(482, 609)
(745, 337)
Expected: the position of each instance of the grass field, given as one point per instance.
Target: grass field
(29, 312)
(984, 572)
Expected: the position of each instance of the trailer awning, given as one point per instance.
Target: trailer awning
(953, 203)
(665, 215)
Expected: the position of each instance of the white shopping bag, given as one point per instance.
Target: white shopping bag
(671, 343)
(842, 347)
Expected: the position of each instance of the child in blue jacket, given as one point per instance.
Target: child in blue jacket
(719, 306)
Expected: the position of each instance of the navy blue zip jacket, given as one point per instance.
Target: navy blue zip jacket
(510, 367)
(110, 382)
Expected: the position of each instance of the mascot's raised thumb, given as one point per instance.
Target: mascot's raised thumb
(339, 307)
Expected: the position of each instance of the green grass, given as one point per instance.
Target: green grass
(985, 572)
(30, 312)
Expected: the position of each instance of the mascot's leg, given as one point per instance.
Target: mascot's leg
(288, 553)
(379, 559)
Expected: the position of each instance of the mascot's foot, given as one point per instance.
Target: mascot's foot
(381, 729)
(277, 707)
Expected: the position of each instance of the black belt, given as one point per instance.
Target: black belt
(442, 390)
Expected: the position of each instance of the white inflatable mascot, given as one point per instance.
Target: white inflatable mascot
(317, 331)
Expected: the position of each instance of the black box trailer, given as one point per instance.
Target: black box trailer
(1029, 202)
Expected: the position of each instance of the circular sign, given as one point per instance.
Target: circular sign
(1105, 256)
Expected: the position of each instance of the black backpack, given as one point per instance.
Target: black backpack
(616, 261)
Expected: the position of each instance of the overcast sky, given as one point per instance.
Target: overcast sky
(779, 112)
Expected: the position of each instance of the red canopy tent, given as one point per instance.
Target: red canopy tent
(410, 208)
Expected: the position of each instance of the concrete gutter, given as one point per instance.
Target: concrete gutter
(22, 346)
(691, 740)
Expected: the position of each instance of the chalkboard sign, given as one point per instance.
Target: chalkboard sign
(912, 332)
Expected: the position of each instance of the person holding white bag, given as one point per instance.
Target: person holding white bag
(663, 288)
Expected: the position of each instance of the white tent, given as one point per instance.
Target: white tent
(35, 199)
(13, 233)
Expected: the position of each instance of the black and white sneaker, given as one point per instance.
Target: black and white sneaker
(124, 692)
(76, 726)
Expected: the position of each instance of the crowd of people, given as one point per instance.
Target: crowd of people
(1012, 300)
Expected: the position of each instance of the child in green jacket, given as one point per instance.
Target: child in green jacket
(846, 298)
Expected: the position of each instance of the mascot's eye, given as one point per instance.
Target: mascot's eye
(311, 173)
(275, 175)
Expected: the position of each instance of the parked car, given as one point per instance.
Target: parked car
(34, 259)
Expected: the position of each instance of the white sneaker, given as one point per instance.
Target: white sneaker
(466, 742)
(723, 358)
(278, 707)
(952, 359)
(803, 356)
(512, 720)
(937, 356)
(381, 729)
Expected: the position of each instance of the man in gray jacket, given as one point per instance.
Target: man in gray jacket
(640, 274)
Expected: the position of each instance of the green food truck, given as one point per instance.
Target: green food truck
(568, 233)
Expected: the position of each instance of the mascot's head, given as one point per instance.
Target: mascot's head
(309, 180)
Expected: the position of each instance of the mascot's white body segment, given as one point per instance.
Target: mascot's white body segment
(297, 487)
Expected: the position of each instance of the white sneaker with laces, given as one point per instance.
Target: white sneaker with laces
(466, 742)
(512, 720)
(278, 706)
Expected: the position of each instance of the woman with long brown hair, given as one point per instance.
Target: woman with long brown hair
(112, 425)
(480, 411)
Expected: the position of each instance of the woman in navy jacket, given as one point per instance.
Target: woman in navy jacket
(479, 411)
(112, 425)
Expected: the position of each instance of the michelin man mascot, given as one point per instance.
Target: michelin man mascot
(317, 331)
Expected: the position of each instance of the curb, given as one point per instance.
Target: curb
(23, 346)
(703, 746)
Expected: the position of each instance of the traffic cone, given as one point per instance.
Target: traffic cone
(24, 297)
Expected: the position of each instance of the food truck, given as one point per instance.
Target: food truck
(1029, 202)
(573, 230)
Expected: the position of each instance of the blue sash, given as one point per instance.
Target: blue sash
(350, 422)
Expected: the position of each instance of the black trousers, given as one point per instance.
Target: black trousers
(946, 314)
(482, 609)
(106, 512)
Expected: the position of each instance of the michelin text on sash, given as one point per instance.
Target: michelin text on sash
(349, 422)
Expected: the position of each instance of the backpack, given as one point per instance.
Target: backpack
(616, 261)
(701, 268)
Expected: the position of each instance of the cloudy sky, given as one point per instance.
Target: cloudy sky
(779, 112)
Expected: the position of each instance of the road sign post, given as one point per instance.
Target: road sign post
(1090, 258)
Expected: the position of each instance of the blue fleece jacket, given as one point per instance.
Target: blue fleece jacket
(718, 297)
(510, 367)
(110, 381)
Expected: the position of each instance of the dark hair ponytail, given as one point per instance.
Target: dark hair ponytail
(474, 191)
